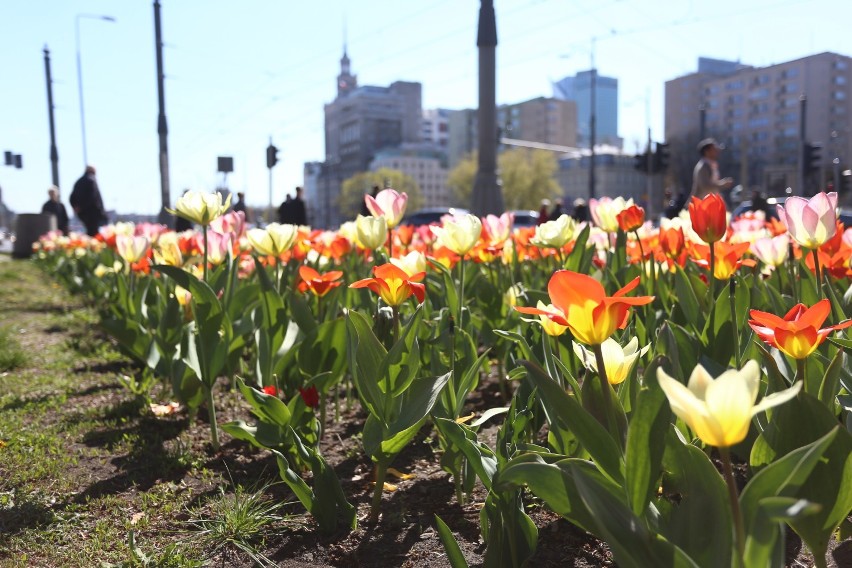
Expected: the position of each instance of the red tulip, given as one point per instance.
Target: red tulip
(709, 217)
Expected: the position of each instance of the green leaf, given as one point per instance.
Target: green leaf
(566, 413)
(266, 407)
(201, 292)
(366, 355)
(454, 553)
(830, 386)
(646, 436)
(632, 544)
(324, 349)
(478, 455)
(687, 300)
(418, 401)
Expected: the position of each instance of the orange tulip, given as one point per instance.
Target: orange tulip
(631, 218)
(709, 217)
(319, 284)
(580, 303)
(729, 257)
(799, 333)
(393, 284)
(672, 241)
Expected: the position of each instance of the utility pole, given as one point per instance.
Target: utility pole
(649, 181)
(800, 182)
(592, 125)
(702, 122)
(54, 155)
(162, 129)
(487, 194)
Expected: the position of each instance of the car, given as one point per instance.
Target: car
(771, 211)
(525, 218)
(844, 215)
(431, 215)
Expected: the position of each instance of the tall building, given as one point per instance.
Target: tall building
(436, 127)
(615, 177)
(361, 121)
(579, 89)
(545, 120)
(757, 113)
(423, 162)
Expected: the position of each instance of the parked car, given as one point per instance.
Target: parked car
(525, 218)
(771, 211)
(431, 215)
(845, 216)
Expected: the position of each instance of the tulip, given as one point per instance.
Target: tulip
(412, 263)
(709, 217)
(389, 204)
(672, 241)
(393, 285)
(497, 230)
(580, 302)
(131, 249)
(274, 240)
(372, 232)
(618, 361)
(232, 222)
(554, 234)
(799, 332)
(549, 326)
(719, 411)
(729, 257)
(511, 295)
(167, 250)
(310, 396)
(200, 208)
(605, 211)
(460, 233)
(631, 218)
(771, 251)
(810, 222)
(318, 284)
(218, 246)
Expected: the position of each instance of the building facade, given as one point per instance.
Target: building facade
(361, 121)
(426, 164)
(759, 113)
(615, 176)
(435, 128)
(579, 89)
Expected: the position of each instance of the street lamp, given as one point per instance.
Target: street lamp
(80, 75)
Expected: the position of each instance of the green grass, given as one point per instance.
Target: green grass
(12, 356)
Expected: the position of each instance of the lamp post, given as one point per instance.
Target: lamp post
(80, 76)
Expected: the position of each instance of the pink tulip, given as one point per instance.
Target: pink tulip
(389, 204)
(218, 245)
(771, 250)
(810, 222)
(497, 230)
(232, 222)
(131, 249)
(847, 237)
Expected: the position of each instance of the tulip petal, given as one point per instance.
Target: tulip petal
(777, 398)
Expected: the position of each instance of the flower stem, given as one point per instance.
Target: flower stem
(712, 288)
(205, 253)
(732, 288)
(211, 415)
(739, 534)
(800, 374)
(605, 391)
(381, 473)
(817, 273)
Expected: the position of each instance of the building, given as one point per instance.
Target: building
(757, 113)
(579, 89)
(312, 195)
(435, 128)
(361, 121)
(543, 120)
(423, 162)
(615, 176)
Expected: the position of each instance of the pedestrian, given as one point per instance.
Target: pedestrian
(87, 203)
(581, 210)
(56, 208)
(300, 214)
(285, 211)
(240, 205)
(705, 176)
(542, 212)
(556, 212)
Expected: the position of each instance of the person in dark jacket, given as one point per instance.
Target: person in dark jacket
(300, 214)
(57, 209)
(87, 203)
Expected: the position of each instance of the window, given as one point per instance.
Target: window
(840, 80)
(839, 95)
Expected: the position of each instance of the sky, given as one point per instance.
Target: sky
(238, 73)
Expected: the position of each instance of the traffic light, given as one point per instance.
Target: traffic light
(9, 157)
(19, 161)
(661, 157)
(271, 156)
(812, 157)
(640, 162)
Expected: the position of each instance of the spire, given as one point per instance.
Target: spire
(346, 81)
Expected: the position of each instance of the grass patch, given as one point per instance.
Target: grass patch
(12, 355)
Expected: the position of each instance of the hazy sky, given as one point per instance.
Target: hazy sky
(239, 72)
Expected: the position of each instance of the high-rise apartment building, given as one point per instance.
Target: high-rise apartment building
(436, 127)
(758, 114)
(359, 123)
(579, 89)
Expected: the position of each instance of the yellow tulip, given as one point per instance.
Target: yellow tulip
(618, 361)
(167, 250)
(201, 208)
(131, 249)
(412, 263)
(274, 239)
(459, 233)
(372, 231)
(554, 234)
(719, 411)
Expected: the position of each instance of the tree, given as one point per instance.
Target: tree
(351, 199)
(528, 176)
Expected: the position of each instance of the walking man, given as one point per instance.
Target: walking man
(87, 203)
